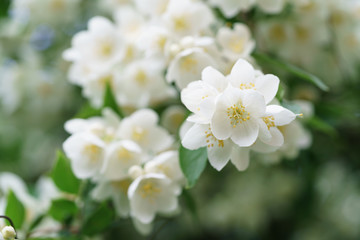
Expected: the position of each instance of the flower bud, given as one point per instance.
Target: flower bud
(135, 172)
(8, 233)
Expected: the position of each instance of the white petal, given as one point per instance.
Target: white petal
(268, 85)
(196, 93)
(264, 133)
(159, 139)
(254, 103)
(76, 125)
(195, 137)
(242, 72)
(276, 139)
(216, 79)
(146, 116)
(220, 122)
(121, 203)
(84, 163)
(260, 146)
(196, 118)
(167, 201)
(143, 212)
(245, 133)
(240, 157)
(219, 156)
(282, 115)
(187, 66)
(120, 157)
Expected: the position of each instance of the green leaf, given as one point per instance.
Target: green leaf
(62, 209)
(190, 203)
(88, 111)
(322, 126)
(36, 222)
(110, 102)
(98, 221)
(4, 7)
(192, 163)
(63, 176)
(15, 210)
(292, 69)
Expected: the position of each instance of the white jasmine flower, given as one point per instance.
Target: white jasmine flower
(94, 53)
(99, 46)
(187, 17)
(237, 42)
(172, 118)
(130, 22)
(274, 117)
(166, 163)
(154, 40)
(142, 84)
(150, 194)
(141, 127)
(244, 77)
(120, 156)
(187, 66)
(237, 116)
(219, 151)
(86, 152)
(199, 96)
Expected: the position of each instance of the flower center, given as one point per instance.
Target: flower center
(105, 48)
(244, 86)
(93, 152)
(180, 23)
(149, 190)
(189, 64)
(237, 114)
(210, 140)
(138, 133)
(269, 121)
(141, 77)
(124, 154)
(237, 45)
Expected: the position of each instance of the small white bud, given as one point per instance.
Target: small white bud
(174, 49)
(8, 233)
(135, 172)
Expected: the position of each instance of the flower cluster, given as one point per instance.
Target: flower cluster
(233, 114)
(132, 161)
(147, 39)
(304, 37)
